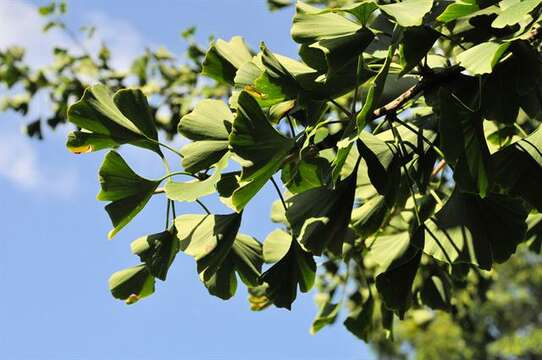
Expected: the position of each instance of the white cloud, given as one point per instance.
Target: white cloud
(21, 25)
(20, 164)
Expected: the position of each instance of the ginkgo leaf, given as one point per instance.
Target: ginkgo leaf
(408, 12)
(276, 245)
(383, 164)
(310, 24)
(245, 258)
(362, 11)
(482, 58)
(514, 13)
(157, 251)
(518, 168)
(458, 9)
(259, 147)
(223, 59)
(295, 268)
(305, 174)
(436, 292)
(132, 284)
(194, 189)
(368, 218)
(360, 321)
(327, 314)
(80, 142)
(209, 126)
(219, 250)
(474, 230)
(331, 44)
(127, 191)
(122, 118)
(416, 43)
(463, 143)
(398, 257)
(319, 217)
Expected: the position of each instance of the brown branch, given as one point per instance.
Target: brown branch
(427, 83)
(440, 166)
(433, 80)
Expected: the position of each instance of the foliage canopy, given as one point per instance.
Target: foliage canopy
(406, 135)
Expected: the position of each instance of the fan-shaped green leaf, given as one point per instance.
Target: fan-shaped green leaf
(132, 284)
(213, 240)
(474, 230)
(416, 43)
(223, 59)
(360, 321)
(122, 118)
(481, 58)
(458, 9)
(515, 13)
(276, 245)
(327, 314)
(157, 251)
(192, 190)
(209, 126)
(305, 174)
(518, 168)
(398, 257)
(311, 25)
(463, 143)
(319, 217)
(295, 268)
(408, 12)
(127, 191)
(260, 149)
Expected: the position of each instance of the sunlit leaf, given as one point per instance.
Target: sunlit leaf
(209, 126)
(157, 251)
(132, 284)
(259, 148)
(295, 268)
(474, 230)
(319, 217)
(122, 118)
(224, 58)
(408, 12)
(482, 58)
(515, 13)
(127, 191)
(219, 250)
(194, 189)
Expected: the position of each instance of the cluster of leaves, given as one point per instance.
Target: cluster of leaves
(495, 316)
(406, 136)
(171, 82)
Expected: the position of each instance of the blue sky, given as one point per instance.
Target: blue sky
(55, 258)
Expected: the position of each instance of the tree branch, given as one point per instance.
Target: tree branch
(425, 84)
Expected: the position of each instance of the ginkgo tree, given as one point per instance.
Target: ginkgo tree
(406, 138)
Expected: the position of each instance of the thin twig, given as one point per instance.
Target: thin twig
(173, 209)
(203, 206)
(440, 166)
(402, 153)
(342, 108)
(275, 185)
(420, 133)
(168, 207)
(423, 85)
